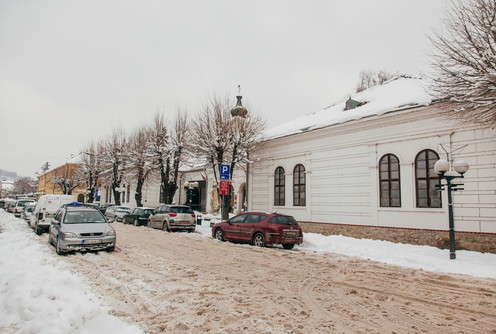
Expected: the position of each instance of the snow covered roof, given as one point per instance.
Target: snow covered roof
(7, 185)
(396, 94)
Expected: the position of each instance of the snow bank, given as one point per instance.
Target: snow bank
(403, 255)
(38, 293)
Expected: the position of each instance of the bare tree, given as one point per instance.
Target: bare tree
(24, 185)
(465, 61)
(139, 163)
(66, 184)
(368, 79)
(166, 146)
(114, 162)
(224, 139)
(45, 167)
(90, 168)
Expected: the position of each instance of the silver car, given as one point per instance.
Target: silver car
(20, 204)
(27, 211)
(173, 217)
(80, 229)
(116, 213)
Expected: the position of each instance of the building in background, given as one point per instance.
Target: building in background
(365, 170)
(50, 182)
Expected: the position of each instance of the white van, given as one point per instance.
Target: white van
(45, 210)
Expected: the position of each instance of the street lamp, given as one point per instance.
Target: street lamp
(442, 168)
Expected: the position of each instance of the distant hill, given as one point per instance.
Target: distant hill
(8, 175)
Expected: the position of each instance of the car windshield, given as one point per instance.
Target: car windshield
(283, 220)
(149, 211)
(23, 203)
(83, 217)
(180, 209)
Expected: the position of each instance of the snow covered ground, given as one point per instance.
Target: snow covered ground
(39, 294)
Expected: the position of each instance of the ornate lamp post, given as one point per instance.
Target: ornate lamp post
(442, 168)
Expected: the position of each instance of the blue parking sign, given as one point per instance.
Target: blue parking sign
(225, 172)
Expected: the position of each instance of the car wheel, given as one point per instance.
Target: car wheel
(135, 221)
(288, 246)
(111, 249)
(219, 235)
(58, 248)
(259, 240)
(37, 230)
(166, 227)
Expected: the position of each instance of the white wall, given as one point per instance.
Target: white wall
(151, 190)
(342, 172)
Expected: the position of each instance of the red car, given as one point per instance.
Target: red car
(260, 229)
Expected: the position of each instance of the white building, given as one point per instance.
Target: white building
(196, 188)
(372, 166)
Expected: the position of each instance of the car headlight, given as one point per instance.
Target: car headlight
(68, 235)
(110, 233)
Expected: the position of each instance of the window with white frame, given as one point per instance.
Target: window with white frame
(299, 186)
(389, 181)
(279, 187)
(426, 179)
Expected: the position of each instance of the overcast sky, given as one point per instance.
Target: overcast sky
(72, 71)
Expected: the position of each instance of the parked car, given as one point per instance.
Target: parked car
(10, 205)
(173, 217)
(27, 211)
(138, 216)
(45, 210)
(260, 229)
(116, 213)
(104, 207)
(20, 204)
(93, 205)
(80, 228)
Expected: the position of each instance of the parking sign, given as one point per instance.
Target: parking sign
(225, 172)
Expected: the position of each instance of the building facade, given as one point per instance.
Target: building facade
(197, 188)
(47, 184)
(372, 177)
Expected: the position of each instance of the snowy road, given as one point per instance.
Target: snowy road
(187, 283)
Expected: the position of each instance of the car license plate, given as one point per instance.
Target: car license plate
(291, 233)
(92, 241)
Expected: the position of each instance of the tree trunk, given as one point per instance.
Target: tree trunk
(91, 195)
(139, 189)
(117, 194)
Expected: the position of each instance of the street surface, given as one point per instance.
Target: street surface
(188, 283)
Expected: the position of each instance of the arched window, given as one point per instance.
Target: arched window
(279, 187)
(299, 186)
(425, 180)
(389, 179)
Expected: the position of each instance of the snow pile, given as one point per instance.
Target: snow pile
(396, 94)
(403, 255)
(38, 294)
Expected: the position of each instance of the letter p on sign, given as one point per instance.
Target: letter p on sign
(225, 172)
